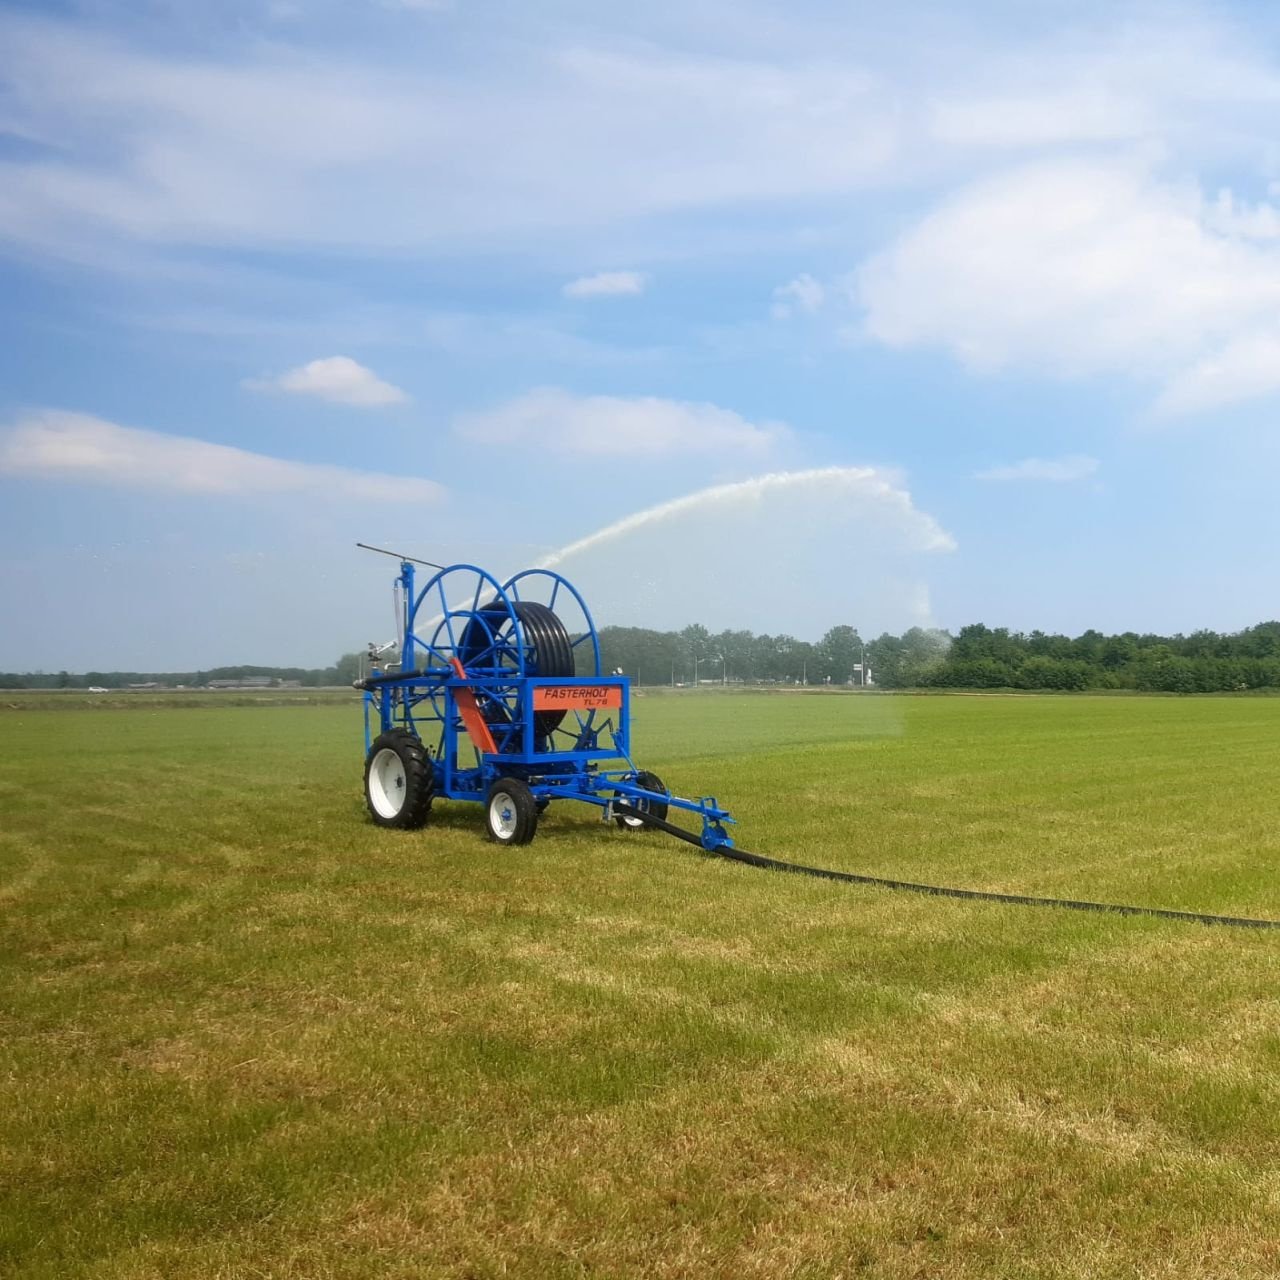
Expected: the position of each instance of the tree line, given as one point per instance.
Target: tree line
(976, 657)
(343, 672)
(980, 657)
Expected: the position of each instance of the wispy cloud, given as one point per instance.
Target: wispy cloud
(616, 426)
(293, 147)
(58, 445)
(1056, 470)
(336, 378)
(804, 294)
(1248, 367)
(606, 284)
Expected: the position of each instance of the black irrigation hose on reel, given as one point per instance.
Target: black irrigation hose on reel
(548, 650)
(940, 891)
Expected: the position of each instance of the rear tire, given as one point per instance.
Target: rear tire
(650, 782)
(510, 812)
(399, 783)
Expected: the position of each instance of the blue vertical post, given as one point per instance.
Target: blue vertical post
(406, 644)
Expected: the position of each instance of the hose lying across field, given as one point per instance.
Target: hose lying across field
(940, 891)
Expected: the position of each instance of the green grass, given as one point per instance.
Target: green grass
(243, 1032)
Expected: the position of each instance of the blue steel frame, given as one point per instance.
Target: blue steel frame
(563, 764)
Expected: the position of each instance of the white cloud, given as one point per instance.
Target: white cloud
(336, 378)
(1057, 470)
(1233, 216)
(804, 294)
(1182, 80)
(606, 284)
(616, 426)
(77, 447)
(1243, 370)
(1087, 267)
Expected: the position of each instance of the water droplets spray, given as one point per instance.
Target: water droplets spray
(793, 552)
(865, 485)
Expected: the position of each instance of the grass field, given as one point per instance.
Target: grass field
(243, 1032)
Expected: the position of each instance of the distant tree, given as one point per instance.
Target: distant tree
(1088, 647)
(924, 649)
(804, 662)
(1118, 651)
(973, 673)
(785, 663)
(1204, 644)
(736, 649)
(1043, 672)
(1262, 641)
(841, 649)
(348, 668)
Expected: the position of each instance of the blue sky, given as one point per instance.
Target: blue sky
(969, 312)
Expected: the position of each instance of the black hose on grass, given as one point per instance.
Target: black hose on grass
(941, 891)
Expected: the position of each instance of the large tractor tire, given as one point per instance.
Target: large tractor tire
(399, 783)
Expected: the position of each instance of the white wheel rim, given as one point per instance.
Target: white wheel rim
(642, 805)
(502, 816)
(387, 789)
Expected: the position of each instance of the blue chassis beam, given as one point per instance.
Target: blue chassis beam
(549, 775)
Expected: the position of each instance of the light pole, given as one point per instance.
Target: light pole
(696, 660)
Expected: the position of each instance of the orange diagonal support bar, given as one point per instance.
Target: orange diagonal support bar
(469, 709)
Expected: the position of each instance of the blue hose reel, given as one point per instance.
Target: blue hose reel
(497, 697)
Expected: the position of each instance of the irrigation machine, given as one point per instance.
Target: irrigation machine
(496, 696)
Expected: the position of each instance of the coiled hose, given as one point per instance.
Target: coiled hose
(548, 651)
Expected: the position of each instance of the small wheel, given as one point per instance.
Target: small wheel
(399, 783)
(511, 813)
(650, 782)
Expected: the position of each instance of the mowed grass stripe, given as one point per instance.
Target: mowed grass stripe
(244, 1032)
